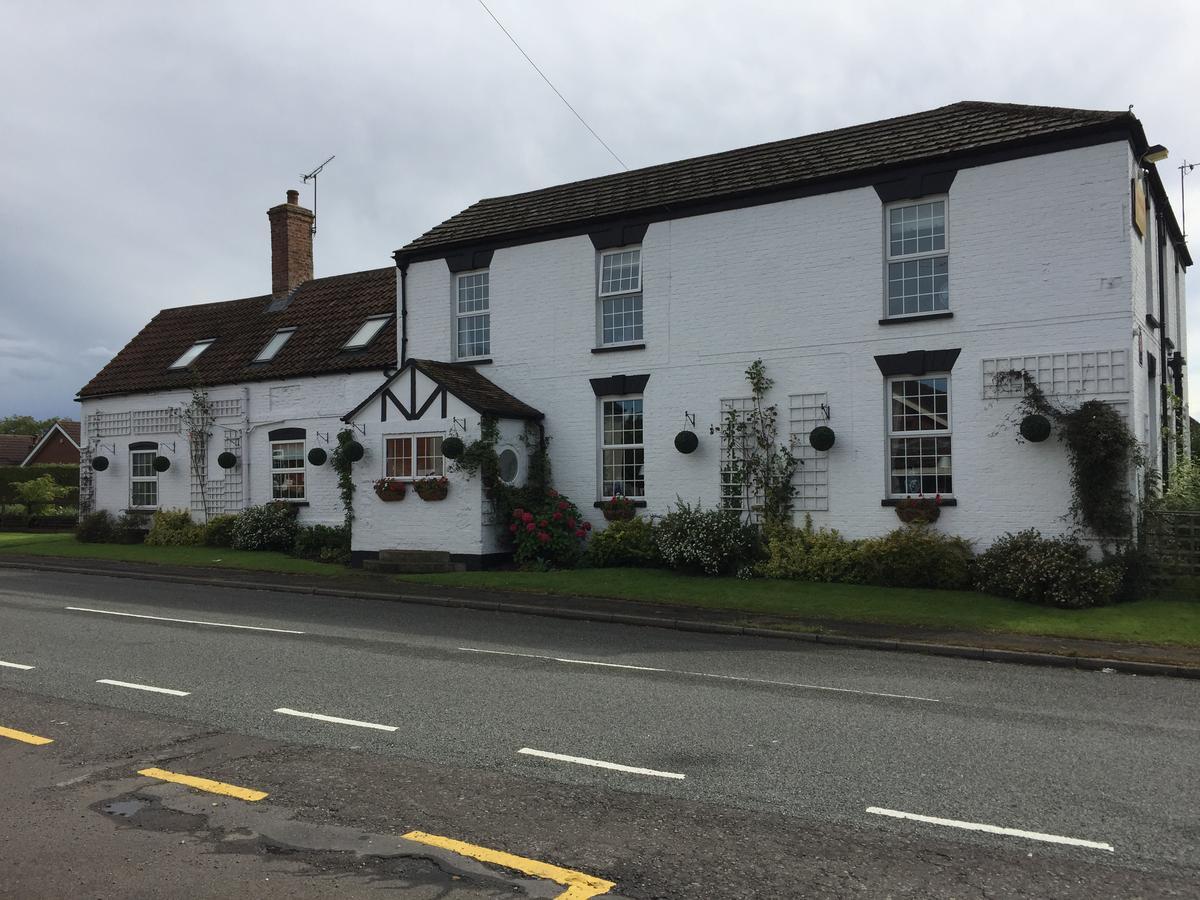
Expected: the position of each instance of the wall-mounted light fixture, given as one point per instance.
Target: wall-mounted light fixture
(1156, 153)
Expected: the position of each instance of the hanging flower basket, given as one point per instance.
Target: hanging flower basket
(919, 510)
(390, 489)
(432, 488)
(618, 509)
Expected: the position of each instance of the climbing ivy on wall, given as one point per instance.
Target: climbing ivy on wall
(344, 466)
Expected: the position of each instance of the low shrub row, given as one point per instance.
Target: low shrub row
(272, 526)
(1055, 571)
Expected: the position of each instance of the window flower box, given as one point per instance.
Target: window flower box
(390, 489)
(618, 509)
(431, 489)
(919, 510)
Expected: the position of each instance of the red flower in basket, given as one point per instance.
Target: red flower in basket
(618, 508)
(432, 488)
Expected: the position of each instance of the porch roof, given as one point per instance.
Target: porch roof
(464, 382)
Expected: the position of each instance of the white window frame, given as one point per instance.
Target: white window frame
(368, 334)
(890, 258)
(302, 469)
(410, 455)
(631, 293)
(143, 479)
(283, 335)
(460, 316)
(890, 434)
(192, 353)
(602, 481)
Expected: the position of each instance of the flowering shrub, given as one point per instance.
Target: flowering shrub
(915, 556)
(549, 532)
(712, 541)
(174, 528)
(810, 555)
(625, 543)
(271, 526)
(1049, 571)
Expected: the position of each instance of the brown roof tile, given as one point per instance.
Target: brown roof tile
(960, 128)
(15, 447)
(324, 311)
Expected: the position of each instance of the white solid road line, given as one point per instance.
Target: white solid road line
(143, 687)
(109, 612)
(741, 678)
(600, 764)
(336, 720)
(993, 829)
(9, 665)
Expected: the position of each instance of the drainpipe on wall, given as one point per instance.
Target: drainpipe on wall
(403, 266)
(1164, 390)
(246, 447)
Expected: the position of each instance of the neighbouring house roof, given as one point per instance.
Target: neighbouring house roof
(324, 311)
(766, 172)
(464, 382)
(67, 427)
(15, 447)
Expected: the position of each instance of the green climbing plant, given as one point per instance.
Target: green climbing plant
(344, 466)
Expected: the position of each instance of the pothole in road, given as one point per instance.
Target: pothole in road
(122, 808)
(145, 812)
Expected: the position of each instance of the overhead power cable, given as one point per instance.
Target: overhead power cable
(553, 88)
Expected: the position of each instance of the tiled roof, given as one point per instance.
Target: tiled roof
(467, 384)
(71, 427)
(949, 131)
(15, 447)
(325, 312)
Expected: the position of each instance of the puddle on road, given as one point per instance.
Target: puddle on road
(123, 808)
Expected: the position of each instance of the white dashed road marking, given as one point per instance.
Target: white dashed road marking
(335, 719)
(992, 829)
(143, 687)
(600, 764)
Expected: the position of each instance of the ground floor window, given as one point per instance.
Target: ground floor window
(622, 448)
(143, 480)
(919, 438)
(287, 470)
(413, 456)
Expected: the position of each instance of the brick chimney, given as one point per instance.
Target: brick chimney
(291, 245)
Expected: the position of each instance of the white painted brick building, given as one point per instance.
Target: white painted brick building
(1024, 237)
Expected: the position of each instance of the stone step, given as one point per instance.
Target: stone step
(427, 557)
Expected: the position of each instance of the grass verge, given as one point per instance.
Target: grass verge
(65, 545)
(1146, 621)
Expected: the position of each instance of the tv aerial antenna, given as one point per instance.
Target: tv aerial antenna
(312, 176)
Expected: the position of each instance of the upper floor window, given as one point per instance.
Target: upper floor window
(413, 456)
(472, 315)
(620, 294)
(287, 470)
(622, 448)
(274, 345)
(919, 436)
(192, 353)
(918, 274)
(143, 479)
(366, 332)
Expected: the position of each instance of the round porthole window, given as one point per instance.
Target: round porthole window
(509, 465)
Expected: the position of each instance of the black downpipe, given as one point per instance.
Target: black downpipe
(403, 312)
(1164, 390)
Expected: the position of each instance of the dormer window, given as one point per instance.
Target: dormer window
(192, 353)
(366, 332)
(274, 345)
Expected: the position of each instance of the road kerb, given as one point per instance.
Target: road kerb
(579, 886)
(205, 784)
(25, 737)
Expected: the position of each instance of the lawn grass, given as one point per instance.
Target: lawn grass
(1146, 621)
(65, 545)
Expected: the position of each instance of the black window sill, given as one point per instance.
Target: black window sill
(617, 348)
(925, 317)
(895, 501)
(638, 504)
(1151, 321)
(475, 362)
(290, 502)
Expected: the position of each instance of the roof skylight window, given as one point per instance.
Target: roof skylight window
(192, 353)
(366, 332)
(274, 345)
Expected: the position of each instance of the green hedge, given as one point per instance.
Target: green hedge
(66, 475)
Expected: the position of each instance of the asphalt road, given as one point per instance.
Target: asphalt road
(746, 767)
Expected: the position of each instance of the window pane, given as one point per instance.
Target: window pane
(918, 286)
(621, 319)
(429, 456)
(274, 345)
(623, 472)
(287, 485)
(366, 332)
(144, 493)
(621, 272)
(473, 292)
(920, 404)
(398, 458)
(191, 354)
(919, 228)
(474, 335)
(622, 422)
(289, 455)
(141, 464)
(921, 465)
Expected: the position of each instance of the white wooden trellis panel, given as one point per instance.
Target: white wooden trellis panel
(812, 476)
(1060, 374)
(155, 421)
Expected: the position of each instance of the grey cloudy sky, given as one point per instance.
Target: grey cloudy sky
(142, 142)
